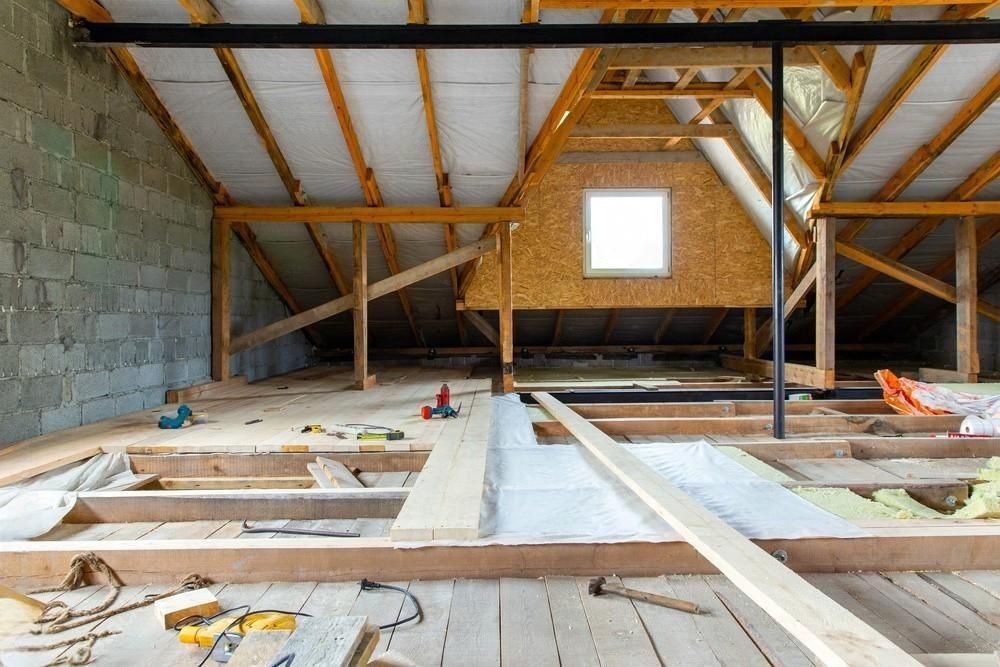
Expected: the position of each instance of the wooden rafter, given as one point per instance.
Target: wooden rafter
(664, 325)
(926, 154)
(794, 135)
(609, 326)
(860, 69)
(904, 209)
(418, 14)
(906, 83)
(312, 13)
(557, 327)
(202, 11)
(657, 131)
(827, 56)
(985, 233)
(410, 215)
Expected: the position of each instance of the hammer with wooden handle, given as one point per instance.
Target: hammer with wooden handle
(600, 586)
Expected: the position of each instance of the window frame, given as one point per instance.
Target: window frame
(667, 222)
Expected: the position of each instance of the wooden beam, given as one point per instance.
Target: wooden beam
(986, 232)
(251, 504)
(221, 234)
(506, 310)
(375, 291)
(713, 325)
(809, 376)
(684, 57)
(660, 131)
(833, 634)
(406, 215)
(484, 327)
(904, 209)
(927, 153)
(971, 186)
(557, 327)
(663, 91)
(896, 270)
(630, 157)
(826, 301)
(749, 332)
(804, 286)
(860, 69)
(736, 4)
(967, 345)
(362, 380)
(794, 135)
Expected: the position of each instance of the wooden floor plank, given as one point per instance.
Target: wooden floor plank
(569, 620)
(770, 638)
(526, 634)
(934, 597)
(674, 634)
(619, 635)
(968, 594)
(988, 580)
(382, 607)
(423, 642)
(473, 637)
(333, 598)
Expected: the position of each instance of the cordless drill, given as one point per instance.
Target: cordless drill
(443, 406)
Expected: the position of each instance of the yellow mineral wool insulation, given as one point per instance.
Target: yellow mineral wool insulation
(984, 503)
(845, 503)
(991, 472)
(755, 465)
(900, 500)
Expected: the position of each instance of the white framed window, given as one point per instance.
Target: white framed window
(626, 233)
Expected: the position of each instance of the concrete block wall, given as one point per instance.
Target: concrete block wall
(939, 343)
(104, 243)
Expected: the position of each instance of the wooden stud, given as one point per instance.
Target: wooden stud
(833, 634)
(659, 131)
(506, 310)
(904, 209)
(362, 380)
(826, 307)
(808, 376)
(663, 91)
(967, 294)
(749, 332)
(609, 326)
(304, 318)
(221, 234)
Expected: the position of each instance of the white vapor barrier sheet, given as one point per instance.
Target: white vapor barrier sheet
(35, 506)
(542, 493)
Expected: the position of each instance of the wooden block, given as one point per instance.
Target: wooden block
(200, 601)
(331, 640)
(259, 647)
(369, 640)
(338, 474)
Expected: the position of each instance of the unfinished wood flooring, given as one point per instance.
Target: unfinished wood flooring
(553, 621)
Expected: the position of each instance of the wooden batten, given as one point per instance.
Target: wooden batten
(826, 299)
(907, 209)
(221, 281)
(362, 380)
(506, 311)
(967, 297)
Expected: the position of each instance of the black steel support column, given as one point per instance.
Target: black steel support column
(778, 233)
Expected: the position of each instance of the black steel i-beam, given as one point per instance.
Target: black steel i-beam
(533, 35)
(778, 233)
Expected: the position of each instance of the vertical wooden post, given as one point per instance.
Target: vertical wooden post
(362, 380)
(826, 297)
(506, 311)
(221, 234)
(968, 295)
(749, 332)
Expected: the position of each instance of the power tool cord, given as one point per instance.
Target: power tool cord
(367, 585)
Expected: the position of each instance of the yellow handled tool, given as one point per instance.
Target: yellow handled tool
(205, 635)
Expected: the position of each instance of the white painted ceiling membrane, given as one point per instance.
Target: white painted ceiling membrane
(476, 100)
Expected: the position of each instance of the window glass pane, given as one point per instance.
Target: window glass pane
(626, 232)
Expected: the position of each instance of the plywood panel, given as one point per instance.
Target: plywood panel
(718, 256)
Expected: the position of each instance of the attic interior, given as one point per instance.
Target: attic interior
(414, 332)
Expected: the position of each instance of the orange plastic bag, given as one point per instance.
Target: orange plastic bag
(910, 397)
(898, 394)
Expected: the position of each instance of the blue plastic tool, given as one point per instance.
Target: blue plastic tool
(183, 413)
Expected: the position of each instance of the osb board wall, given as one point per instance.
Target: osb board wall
(718, 256)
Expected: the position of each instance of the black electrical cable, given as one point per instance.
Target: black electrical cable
(198, 619)
(367, 585)
(239, 621)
